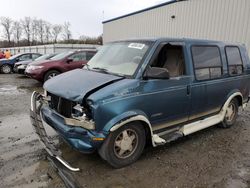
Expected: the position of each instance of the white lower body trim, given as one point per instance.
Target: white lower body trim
(201, 124)
(210, 121)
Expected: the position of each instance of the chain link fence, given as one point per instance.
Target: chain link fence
(49, 49)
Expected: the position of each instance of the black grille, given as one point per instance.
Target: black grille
(54, 101)
(61, 105)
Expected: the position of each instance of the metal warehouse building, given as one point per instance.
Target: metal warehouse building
(227, 20)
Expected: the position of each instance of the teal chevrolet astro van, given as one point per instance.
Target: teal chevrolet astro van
(134, 91)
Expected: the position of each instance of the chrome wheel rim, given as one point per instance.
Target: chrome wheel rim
(52, 75)
(230, 113)
(126, 143)
(6, 69)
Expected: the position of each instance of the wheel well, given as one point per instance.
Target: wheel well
(239, 99)
(147, 131)
(51, 70)
(8, 65)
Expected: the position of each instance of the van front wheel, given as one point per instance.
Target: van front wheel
(231, 114)
(124, 146)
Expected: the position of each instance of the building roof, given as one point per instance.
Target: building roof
(143, 10)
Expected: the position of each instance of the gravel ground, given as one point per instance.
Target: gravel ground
(213, 157)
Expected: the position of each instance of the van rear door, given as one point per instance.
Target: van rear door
(207, 88)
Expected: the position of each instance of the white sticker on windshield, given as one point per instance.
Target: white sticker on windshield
(136, 45)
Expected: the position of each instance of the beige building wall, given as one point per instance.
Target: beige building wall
(226, 20)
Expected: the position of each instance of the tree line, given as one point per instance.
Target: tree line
(32, 31)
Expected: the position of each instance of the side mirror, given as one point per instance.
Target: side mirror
(69, 60)
(17, 59)
(157, 73)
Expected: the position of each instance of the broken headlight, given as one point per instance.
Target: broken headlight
(79, 112)
(80, 118)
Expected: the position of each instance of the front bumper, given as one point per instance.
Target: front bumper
(35, 74)
(20, 69)
(77, 137)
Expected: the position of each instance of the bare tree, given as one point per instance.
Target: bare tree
(17, 31)
(56, 30)
(47, 28)
(34, 30)
(83, 39)
(26, 24)
(66, 31)
(41, 29)
(6, 22)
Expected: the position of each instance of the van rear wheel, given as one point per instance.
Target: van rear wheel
(124, 146)
(231, 114)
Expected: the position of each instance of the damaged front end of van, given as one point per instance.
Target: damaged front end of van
(87, 107)
(69, 112)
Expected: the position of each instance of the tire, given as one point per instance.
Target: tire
(15, 69)
(50, 74)
(231, 114)
(124, 146)
(6, 69)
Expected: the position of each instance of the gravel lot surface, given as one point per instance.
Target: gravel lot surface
(213, 157)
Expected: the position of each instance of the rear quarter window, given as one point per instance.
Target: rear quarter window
(207, 62)
(234, 60)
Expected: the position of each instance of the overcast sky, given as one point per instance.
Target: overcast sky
(85, 16)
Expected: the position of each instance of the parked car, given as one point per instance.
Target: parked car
(21, 66)
(7, 65)
(133, 91)
(60, 63)
(2, 56)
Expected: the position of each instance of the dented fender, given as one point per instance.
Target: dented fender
(128, 117)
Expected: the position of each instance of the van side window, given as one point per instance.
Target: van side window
(235, 65)
(207, 62)
(171, 58)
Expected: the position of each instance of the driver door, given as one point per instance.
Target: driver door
(168, 100)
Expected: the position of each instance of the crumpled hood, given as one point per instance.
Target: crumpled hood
(75, 84)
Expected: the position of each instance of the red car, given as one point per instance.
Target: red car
(2, 55)
(60, 63)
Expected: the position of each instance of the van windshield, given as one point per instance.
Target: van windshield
(121, 58)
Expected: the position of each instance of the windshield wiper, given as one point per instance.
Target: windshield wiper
(100, 69)
(107, 72)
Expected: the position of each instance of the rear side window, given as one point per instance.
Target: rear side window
(90, 55)
(235, 65)
(207, 62)
(34, 56)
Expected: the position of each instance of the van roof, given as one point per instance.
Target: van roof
(186, 40)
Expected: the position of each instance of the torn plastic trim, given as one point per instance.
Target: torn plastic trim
(64, 174)
(40, 130)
